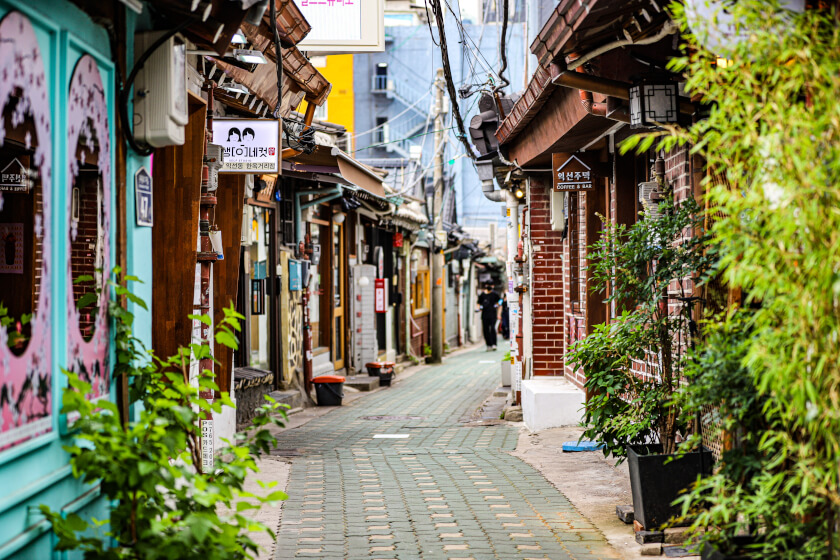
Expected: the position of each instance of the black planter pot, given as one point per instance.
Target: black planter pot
(656, 481)
(710, 552)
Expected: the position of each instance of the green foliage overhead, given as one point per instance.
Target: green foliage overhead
(772, 144)
(149, 469)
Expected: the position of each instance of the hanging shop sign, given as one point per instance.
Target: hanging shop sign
(344, 26)
(248, 145)
(570, 173)
(143, 202)
(14, 177)
(380, 304)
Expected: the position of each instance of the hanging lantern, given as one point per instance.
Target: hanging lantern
(652, 104)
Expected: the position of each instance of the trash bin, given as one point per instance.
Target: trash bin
(383, 370)
(329, 389)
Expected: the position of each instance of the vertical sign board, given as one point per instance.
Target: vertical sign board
(207, 446)
(380, 305)
(143, 198)
(248, 145)
(571, 174)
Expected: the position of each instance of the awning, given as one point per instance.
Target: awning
(329, 159)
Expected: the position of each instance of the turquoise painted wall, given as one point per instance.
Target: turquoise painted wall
(37, 472)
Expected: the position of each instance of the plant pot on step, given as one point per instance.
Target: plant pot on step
(656, 480)
(505, 373)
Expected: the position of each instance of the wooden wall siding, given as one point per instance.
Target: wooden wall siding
(177, 184)
(231, 197)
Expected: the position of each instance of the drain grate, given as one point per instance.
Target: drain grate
(391, 418)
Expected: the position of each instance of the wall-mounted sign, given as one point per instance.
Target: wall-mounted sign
(143, 198)
(344, 26)
(570, 173)
(248, 145)
(295, 276)
(14, 177)
(207, 457)
(380, 304)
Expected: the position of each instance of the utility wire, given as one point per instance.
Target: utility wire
(503, 49)
(447, 72)
(395, 117)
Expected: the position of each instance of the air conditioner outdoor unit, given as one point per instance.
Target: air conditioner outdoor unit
(160, 92)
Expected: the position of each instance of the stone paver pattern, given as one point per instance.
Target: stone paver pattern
(449, 490)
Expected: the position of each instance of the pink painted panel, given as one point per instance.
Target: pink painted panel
(87, 123)
(26, 380)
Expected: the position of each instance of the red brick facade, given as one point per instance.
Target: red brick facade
(547, 284)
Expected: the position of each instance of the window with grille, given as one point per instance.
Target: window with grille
(576, 269)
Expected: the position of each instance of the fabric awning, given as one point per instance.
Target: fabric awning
(329, 159)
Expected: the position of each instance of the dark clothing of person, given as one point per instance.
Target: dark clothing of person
(489, 328)
(504, 327)
(488, 303)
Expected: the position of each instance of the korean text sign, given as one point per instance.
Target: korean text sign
(249, 145)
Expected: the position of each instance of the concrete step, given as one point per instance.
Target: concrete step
(291, 398)
(362, 382)
(551, 402)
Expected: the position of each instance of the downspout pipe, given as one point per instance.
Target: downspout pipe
(485, 175)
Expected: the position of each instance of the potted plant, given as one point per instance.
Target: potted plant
(634, 413)
(506, 369)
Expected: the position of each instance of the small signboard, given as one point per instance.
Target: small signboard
(207, 446)
(248, 145)
(143, 208)
(294, 276)
(14, 177)
(380, 305)
(570, 173)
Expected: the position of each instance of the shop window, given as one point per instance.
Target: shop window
(420, 294)
(25, 236)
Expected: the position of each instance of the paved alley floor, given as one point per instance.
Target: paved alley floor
(425, 483)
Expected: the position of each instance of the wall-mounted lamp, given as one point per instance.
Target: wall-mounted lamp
(239, 38)
(338, 217)
(652, 104)
(233, 87)
(249, 56)
(519, 193)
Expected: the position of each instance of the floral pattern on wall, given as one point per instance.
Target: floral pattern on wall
(87, 115)
(26, 380)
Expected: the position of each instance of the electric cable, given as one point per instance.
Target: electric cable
(128, 132)
(503, 49)
(278, 52)
(437, 10)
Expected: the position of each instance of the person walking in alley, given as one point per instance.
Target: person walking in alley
(488, 302)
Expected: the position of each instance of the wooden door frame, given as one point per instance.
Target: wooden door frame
(336, 312)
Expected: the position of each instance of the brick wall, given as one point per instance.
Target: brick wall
(83, 249)
(575, 324)
(678, 174)
(547, 284)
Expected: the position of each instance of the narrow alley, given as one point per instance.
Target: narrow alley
(410, 473)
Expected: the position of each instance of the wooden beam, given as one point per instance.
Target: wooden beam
(231, 198)
(177, 179)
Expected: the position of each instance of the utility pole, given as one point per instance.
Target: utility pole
(436, 322)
